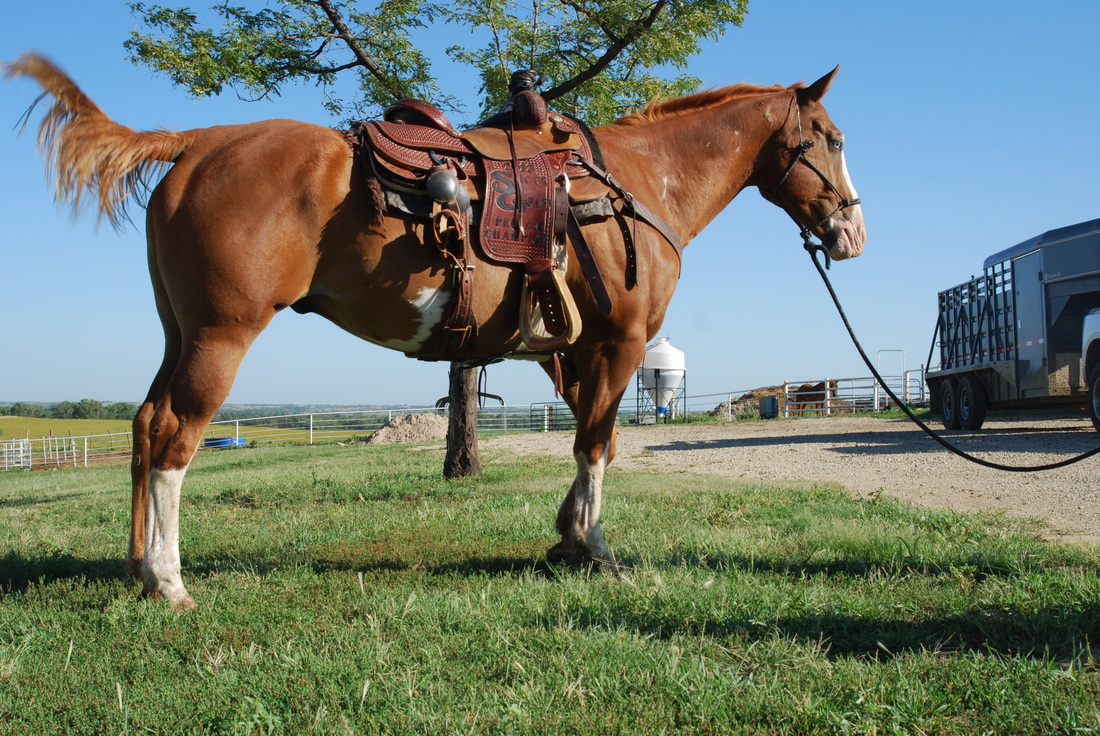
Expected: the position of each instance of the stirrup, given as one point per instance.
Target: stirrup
(531, 325)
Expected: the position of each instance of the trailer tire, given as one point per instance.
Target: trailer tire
(1094, 397)
(971, 403)
(949, 403)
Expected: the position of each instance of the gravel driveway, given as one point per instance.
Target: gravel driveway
(869, 455)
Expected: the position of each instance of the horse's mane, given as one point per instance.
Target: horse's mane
(659, 110)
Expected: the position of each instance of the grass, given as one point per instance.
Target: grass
(352, 590)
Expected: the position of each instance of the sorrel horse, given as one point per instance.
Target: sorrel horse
(251, 219)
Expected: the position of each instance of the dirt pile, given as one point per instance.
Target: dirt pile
(411, 428)
(747, 405)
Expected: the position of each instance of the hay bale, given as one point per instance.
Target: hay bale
(411, 428)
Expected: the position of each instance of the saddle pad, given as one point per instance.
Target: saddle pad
(519, 234)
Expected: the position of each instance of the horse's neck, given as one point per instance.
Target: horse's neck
(691, 167)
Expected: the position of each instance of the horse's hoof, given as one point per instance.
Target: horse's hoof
(610, 565)
(566, 555)
(181, 604)
(186, 605)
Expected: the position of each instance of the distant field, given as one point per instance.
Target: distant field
(13, 427)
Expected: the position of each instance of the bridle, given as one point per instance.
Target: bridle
(799, 155)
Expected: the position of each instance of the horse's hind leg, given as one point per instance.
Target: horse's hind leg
(198, 385)
(142, 461)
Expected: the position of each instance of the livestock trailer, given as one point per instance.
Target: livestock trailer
(1023, 334)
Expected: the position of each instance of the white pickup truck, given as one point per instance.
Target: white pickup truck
(1090, 349)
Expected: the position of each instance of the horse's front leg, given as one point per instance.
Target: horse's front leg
(593, 391)
(578, 520)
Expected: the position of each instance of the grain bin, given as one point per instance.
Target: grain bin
(661, 375)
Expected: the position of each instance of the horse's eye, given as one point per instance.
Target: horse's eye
(836, 144)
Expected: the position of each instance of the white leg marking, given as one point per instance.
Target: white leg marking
(587, 500)
(161, 567)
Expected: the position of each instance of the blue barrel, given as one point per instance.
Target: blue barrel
(213, 442)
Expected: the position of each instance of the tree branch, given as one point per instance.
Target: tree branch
(322, 71)
(609, 56)
(581, 10)
(364, 59)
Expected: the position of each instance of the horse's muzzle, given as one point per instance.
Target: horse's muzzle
(845, 238)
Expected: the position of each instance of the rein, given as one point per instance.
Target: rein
(812, 248)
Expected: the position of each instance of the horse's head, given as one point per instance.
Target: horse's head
(802, 170)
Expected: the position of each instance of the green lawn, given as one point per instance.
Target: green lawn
(352, 590)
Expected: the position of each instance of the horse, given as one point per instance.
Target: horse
(247, 220)
(812, 397)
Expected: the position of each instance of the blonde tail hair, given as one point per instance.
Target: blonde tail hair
(87, 151)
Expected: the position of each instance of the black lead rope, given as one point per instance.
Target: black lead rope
(813, 248)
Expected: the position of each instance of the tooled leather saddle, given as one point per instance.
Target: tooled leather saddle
(516, 186)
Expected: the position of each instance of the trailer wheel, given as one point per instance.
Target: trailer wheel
(1094, 397)
(971, 403)
(949, 404)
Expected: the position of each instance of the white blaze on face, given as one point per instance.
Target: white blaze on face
(850, 231)
(856, 212)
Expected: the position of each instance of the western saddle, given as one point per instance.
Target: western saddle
(517, 185)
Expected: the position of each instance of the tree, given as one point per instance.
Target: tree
(88, 409)
(598, 58)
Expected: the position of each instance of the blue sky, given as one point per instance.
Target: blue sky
(970, 127)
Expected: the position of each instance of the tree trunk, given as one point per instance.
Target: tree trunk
(463, 456)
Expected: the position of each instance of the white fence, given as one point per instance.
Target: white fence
(65, 451)
(15, 454)
(809, 397)
(845, 395)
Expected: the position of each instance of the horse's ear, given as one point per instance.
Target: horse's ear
(817, 90)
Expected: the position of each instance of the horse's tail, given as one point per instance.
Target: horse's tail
(86, 150)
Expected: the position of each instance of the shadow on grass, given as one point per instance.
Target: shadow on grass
(977, 567)
(500, 566)
(1054, 633)
(18, 572)
(12, 503)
